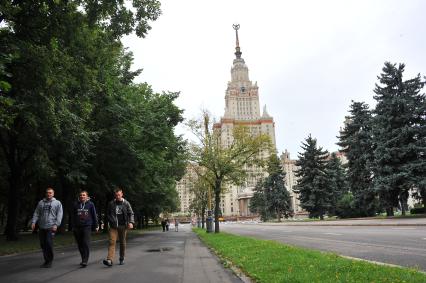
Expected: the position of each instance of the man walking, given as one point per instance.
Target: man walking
(176, 225)
(48, 215)
(120, 218)
(84, 222)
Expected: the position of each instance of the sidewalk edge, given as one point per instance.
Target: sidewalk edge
(228, 264)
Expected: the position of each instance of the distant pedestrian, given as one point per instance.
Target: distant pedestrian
(176, 225)
(167, 224)
(48, 216)
(84, 222)
(120, 218)
(163, 224)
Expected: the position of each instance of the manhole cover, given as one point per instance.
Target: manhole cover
(160, 250)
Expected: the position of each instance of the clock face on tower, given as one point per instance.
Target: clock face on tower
(243, 89)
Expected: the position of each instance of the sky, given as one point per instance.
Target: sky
(309, 58)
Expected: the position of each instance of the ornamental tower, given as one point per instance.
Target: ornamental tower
(242, 108)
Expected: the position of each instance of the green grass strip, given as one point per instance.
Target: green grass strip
(270, 261)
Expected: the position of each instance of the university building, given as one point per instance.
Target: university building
(242, 108)
(290, 168)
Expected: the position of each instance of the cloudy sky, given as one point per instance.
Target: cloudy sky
(310, 58)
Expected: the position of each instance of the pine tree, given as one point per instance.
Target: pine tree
(337, 178)
(356, 143)
(398, 136)
(259, 202)
(271, 197)
(313, 183)
(278, 196)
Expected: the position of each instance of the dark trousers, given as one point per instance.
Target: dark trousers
(46, 244)
(82, 237)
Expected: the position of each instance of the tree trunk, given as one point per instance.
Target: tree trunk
(14, 203)
(203, 216)
(389, 211)
(146, 221)
(3, 212)
(217, 190)
(140, 221)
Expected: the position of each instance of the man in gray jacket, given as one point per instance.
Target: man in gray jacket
(48, 215)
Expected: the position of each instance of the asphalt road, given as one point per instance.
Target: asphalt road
(399, 245)
(154, 257)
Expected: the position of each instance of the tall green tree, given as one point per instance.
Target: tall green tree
(356, 143)
(201, 191)
(226, 163)
(313, 184)
(259, 202)
(271, 196)
(51, 64)
(397, 136)
(337, 181)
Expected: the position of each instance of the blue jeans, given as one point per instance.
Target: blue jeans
(46, 244)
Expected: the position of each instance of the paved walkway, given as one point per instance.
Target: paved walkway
(155, 257)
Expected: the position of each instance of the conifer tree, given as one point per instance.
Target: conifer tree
(313, 183)
(259, 202)
(356, 143)
(271, 197)
(399, 156)
(337, 178)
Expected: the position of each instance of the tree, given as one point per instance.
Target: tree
(356, 143)
(337, 181)
(313, 184)
(271, 197)
(259, 202)
(201, 191)
(398, 136)
(226, 163)
(70, 114)
(277, 194)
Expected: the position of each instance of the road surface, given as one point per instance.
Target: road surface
(399, 245)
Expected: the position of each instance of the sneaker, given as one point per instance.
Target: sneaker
(121, 261)
(83, 264)
(46, 265)
(107, 262)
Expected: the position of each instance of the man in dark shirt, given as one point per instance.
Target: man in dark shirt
(84, 222)
(120, 218)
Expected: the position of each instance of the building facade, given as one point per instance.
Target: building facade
(242, 108)
(184, 188)
(290, 168)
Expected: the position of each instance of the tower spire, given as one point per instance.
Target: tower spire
(237, 47)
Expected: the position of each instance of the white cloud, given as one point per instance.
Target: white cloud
(310, 58)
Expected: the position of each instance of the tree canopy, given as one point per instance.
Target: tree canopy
(71, 116)
(225, 164)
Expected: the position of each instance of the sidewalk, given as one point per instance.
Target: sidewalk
(355, 222)
(154, 257)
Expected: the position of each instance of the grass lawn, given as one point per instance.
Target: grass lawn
(29, 242)
(270, 261)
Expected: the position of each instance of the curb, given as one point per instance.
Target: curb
(229, 264)
(360, 224)
(381, 263)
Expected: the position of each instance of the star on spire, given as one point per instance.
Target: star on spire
(237, 47)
